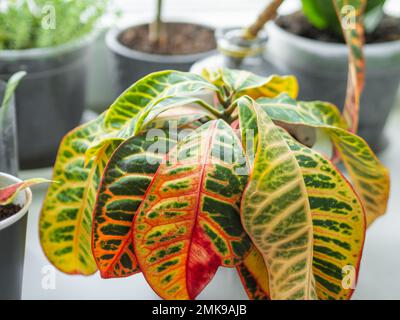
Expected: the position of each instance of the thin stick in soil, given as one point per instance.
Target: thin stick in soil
(157, 31)
(268, 14)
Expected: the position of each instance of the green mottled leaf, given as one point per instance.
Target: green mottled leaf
(189, 222)
(125, 181)
(276, 213)
(146, 99)
(338, 230)
(66, 217)
(369, 177)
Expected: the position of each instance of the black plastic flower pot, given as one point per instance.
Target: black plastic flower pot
(50, 100)
(12, 243)
(8, 135)
(130, 65)
(322, 70)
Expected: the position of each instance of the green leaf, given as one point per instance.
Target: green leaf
(12, 85)
(66, 217)
(242, 83)
(322, 14)
(179, 119)
(338, 230)
(189, 222)
(369, 177)
(276, 213)
(147, 98)
(125, 181)
(338, 219)
(148, 92)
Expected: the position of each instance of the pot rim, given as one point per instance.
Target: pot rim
(116, 46)
(34, 53)
(371, 49)
(20, 214)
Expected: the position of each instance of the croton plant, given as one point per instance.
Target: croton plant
(173, 184)
(187, 173)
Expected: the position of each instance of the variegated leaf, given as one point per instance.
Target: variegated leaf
(276, 213)
(338, 227)
(149, 109)
(189, 222)
(242, 83)
(180, 120)
(338, 219)
(8, 194)
(66, 217)
(254, 276)
(350, 13)
(125, 181)
(325, 112)
(151, 88)
(246, 83)
(369, 177)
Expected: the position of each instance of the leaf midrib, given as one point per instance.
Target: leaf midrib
(198, 199)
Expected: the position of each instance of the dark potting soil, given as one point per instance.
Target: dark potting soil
(181, 38)
(8, 211)
(297, 23)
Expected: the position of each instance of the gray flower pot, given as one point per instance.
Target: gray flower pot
(321, 69)
(50, 100)
(8, 135)
(12, 244)
(131, 65)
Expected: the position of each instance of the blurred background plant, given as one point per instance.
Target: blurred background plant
(322, 15)
(21, 22)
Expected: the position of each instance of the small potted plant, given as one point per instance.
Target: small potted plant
(176, 195)
(15, 200)
(50, 41)
(159, 45)
(310, 45)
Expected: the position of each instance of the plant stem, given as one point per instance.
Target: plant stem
(211, 109)
(268, 14)
(157, 32)
(228, 112)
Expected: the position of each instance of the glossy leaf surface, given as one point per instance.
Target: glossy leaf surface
(125, 181)
(66, 217)
(369, 177)
(148, 97)
(276, 213)
(189, 222)
(240, 83)
(338, 229)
